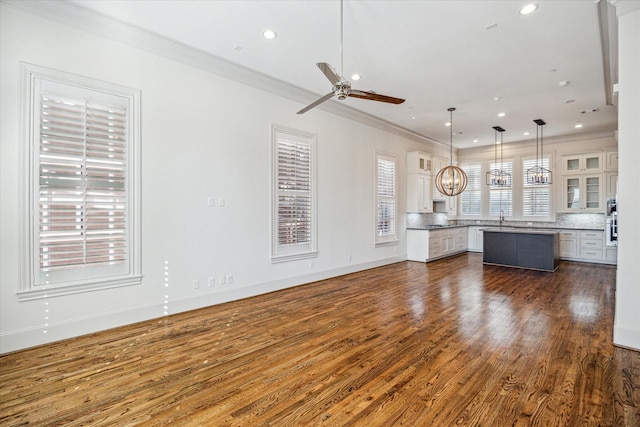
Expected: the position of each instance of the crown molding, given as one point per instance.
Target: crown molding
(72, 15)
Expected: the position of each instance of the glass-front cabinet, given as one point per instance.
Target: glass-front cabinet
(582, 163)
(582, 193)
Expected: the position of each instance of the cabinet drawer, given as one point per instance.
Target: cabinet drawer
(592, 235)
(434, 244)
(567, 235)
(591, 244)
(595, 254)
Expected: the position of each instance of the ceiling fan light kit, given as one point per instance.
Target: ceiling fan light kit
(451, 180)
(539, 174)
(342, 87)
(498, 177)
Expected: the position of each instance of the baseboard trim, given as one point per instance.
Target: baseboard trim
(627, 338)
(32, 337)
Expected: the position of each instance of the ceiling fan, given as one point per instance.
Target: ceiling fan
(341, 86)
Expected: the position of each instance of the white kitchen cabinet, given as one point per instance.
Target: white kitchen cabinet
(417, 245)
(568, 244)
(419, 162)
(582, 163)
(438, 164)
(586, 246)
(446, 242)
(427, 245)
(419, 193)
(611, 160)
(582, 193)
(474, 238)
(452, 206)
(611, 183)
(592, 245)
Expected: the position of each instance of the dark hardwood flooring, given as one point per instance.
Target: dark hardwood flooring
(450, 343)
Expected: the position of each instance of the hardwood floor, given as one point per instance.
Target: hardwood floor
(448, 343)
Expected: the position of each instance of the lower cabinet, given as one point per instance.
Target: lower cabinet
(586, 245)
(427, 245)
(475, 239)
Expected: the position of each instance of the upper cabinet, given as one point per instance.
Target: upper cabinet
(419, 162)
(438, 164)
(582, 163)
(582, 193)
(611, 160)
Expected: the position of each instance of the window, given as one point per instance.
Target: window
(501, 198)
(471, 197)
(293, 205)
(386, 202)
(536, 198)
(83, 185)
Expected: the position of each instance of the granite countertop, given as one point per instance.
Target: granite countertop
(512, 227)
(436, 227)
(520, 230)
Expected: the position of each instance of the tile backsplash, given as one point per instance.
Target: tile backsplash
(587, 221)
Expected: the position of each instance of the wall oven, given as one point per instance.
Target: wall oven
(611, 224)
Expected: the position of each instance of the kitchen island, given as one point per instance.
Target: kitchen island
(521, 247)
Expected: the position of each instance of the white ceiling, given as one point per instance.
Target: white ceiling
(435, 54)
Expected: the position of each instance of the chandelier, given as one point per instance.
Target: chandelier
(498, 177)
(451, 180)
(539, 174)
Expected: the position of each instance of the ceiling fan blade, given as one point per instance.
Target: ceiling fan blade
(315, 104)
(328, 71)
(374, 97)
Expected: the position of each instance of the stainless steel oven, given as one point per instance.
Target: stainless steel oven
(611, 225)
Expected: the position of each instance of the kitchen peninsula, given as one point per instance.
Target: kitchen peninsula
(521, 247)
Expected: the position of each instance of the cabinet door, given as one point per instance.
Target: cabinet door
(438, 164)
(452, 206)
(582, 193)
(611, 161)
(612, 184)
(419, 193)
(581, 163)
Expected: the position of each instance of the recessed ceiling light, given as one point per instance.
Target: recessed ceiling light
(502, 114)
(528, 8)
(497, 98)
(448, 124)
(355, 77)
(578, 125)
(475, 139)
(269, 34)
(526, 133)
(563, 83)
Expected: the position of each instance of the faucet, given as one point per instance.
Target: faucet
(501, 217)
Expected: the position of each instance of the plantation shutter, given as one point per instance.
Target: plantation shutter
(536, 198)
(501, 198)
(471, 197)
(386, 197)
(294, 185)
(82, 191)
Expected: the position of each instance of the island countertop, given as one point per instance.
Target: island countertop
(520, 230)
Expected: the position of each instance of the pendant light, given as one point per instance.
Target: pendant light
(539, 174)
(451, 180)
(498, 177)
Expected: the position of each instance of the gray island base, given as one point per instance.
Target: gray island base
(522, 248)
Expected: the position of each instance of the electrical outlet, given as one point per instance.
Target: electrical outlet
(211, 282)
(210, 201)
(229, 278)
(223, 280)
(196, 284)
(222, 201)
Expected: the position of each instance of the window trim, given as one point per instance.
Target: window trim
(29, 287)
(280, 253)
(391, 239)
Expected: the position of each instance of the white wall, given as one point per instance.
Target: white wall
(627, 320)
(202, 135)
